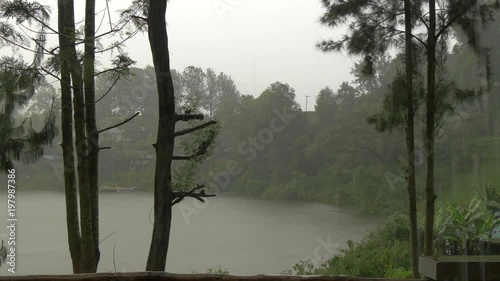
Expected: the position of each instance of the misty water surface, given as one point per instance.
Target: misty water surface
(244, 236)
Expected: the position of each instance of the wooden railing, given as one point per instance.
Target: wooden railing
(161, 276)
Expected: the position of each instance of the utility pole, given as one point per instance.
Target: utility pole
(307, 100)
(254, 73)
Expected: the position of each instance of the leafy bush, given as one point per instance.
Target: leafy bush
(385, 252)
(461, 230)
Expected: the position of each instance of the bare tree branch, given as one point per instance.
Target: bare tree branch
(109, 90)
(422, 20)
(114, 45)
(109, 15)
(114, 29)
(141, 18)
(448, 24)
(121, 123)
(190, 157)
(178, 196)
(53, 76)
(36, 41)
(44, 24)
(114, 68)
(402, 31)
(19, 45)
(188, 117)
(81, 41)
(107, 237)
(194, 129)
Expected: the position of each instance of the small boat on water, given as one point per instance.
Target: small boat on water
(107, 188)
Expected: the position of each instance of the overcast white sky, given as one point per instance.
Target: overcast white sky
(257, 42)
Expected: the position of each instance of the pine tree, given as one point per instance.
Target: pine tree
(64, 63)
(18, 83)
(374, 27)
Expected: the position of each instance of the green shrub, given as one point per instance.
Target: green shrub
(460, 230)
(399, 273)
(385, 252)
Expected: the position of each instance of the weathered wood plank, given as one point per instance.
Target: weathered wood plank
(161, 276)
(458, 268)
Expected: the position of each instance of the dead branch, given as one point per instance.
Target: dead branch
(109, 90)
(53, 76)
(202, 150)
(141, 18)
(52, 52)
(114, 29)
(178, 196)
(114, 68)
(188, 157)
(121, 123)
(194, 129)
(114, 45)
(188, 117)
(184, 157)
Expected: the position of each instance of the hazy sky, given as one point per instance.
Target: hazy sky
(257, 42)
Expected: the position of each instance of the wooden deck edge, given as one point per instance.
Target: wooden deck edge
(162, 276)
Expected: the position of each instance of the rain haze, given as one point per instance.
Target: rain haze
(284, 137)
(257, 41)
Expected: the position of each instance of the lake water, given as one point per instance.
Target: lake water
(244, 236)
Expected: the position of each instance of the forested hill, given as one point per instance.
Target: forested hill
(268, 147)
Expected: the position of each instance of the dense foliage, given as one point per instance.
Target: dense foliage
(385, 252)
(20, 140)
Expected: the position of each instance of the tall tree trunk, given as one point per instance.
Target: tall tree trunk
(72, 221)
(492, 113)
(164, 146)
(81, 145)
(492, 101)
(410, 141)
(430, 194)
(91, 126)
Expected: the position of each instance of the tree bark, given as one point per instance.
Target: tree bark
(81, 145)
(91, 126)
(410, 142)
(72, 221)
(430, 195)
(164, 147)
